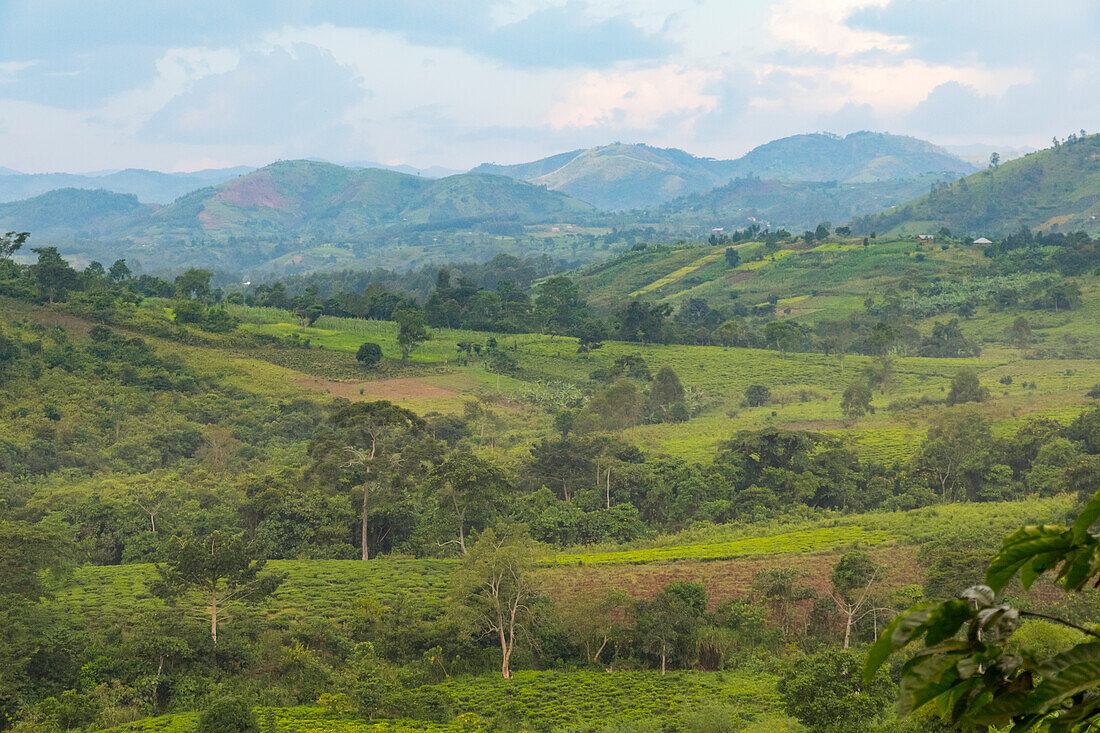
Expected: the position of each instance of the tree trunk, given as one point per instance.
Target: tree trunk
(214, 612)
(848, 628)
(505, 653)
(366, 494)
(662, 664)
(608, 489)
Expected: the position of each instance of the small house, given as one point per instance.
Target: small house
(925, 239)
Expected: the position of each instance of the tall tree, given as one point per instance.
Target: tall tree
(11, 242)
(223, 567)
(52, 274)
(469, 491)
(411, 331)
(496, 585)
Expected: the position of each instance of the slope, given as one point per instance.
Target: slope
(71, 212)
(148, 186)
(1054, 189)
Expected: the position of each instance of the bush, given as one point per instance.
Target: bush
(757, 395)
(228, 715)
(369, 354)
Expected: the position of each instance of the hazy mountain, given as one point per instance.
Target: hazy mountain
(149, 186)
(620, 176)
(1053, 189)
(434, 171)
(856, 158)
(638, 176)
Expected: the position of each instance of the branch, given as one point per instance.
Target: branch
(1055, 619)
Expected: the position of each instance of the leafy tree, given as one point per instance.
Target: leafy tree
(496, 585)
(956, 452)
(223, 567)
(119, 272)
(854, 576)
(757, 395)
(411, 330)
(644, 322)
(781, 589)
(733, 258)
(559, 305)
(856, 401)
(784, 334)
(666, 625)
(52, 275)
(369, 354)
(965, 387)
(194, 283)
(228, 715)
(469, 491)
(666, 391)
(1020, 332)
(828, 693)
(968, 666)
(11, 242)
(365, 428)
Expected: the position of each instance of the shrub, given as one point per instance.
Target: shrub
(757, 395)
(369, 354)
(228, 715)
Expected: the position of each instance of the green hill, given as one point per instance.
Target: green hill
(622, 176)
(856, 158)
(793, 204)
(1057, 189)
(70, 212)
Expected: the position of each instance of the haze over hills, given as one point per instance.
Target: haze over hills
(1054, 189)
(153, 187)
(73, 212)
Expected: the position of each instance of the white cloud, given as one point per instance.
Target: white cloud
(820, 26)
(640, 99)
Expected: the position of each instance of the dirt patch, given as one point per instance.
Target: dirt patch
(401, 388)
(740, 275)
(255, 190)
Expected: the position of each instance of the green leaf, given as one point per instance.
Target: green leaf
(1020, 547)
(945, 620)
(905, 627)
(1041, 563)
(1086, 518)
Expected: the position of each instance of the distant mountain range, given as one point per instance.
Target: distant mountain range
(148, 186)
(286, 208)
(1053, 189)
(617, 177)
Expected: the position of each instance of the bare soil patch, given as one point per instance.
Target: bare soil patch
(400, 388)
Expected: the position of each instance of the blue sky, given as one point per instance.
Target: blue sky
(186, 85)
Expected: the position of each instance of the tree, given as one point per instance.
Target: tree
(828, 693)
(644, 322)
(559, 306)
(666, 391)
(469, 491)
(496, 585)
(364, 425)
(52, 274)
(857, 400)
(411, 330)
(194, 283)
(784, 334)
(733, 258)
(369, 354)
(966, 667)
(994, 159)
(957, 446)
(757, 395)
(224, 567)
(666, 626)
(11, 242)
(228, 715)
(119, 272)
(965, 387)
(853, 577)
(1020, 332)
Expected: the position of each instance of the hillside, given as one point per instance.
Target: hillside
(855, 158)
(70, 212)
(296, 197)
(148, 186)
(1056, 189)
(796, 205)
(619, 176)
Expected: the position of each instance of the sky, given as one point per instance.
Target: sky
(176, 86)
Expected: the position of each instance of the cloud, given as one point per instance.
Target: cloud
(642, 99)
(821, 26)
(567, 36)
(268, 98)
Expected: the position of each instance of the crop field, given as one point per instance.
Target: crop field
(806, 388)
(547, 701)
(781, 544)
